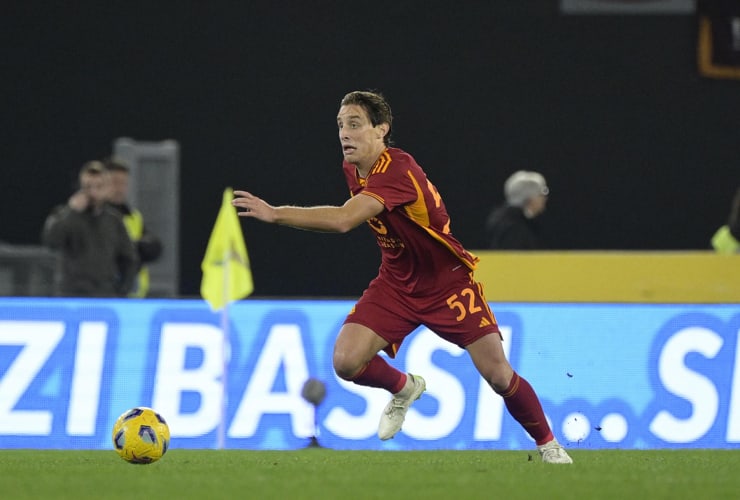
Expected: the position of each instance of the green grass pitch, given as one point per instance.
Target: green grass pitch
(329, 474)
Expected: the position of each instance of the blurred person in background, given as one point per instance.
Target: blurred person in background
(726, 239)
(513, 225)
(97, 257)
(148, 245)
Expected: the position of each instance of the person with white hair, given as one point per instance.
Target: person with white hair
(512, 226)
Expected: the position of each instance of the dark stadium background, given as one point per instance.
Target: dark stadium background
(639, 151)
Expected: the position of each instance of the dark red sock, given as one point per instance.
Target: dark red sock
(378, 373)
(525, 407)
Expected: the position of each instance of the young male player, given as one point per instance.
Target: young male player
(425, 277)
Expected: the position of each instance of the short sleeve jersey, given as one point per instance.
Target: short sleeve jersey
(413, 232)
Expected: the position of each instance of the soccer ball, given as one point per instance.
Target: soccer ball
(141, 436)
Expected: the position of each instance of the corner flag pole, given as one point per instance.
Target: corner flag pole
(226, 278)
(225, 354)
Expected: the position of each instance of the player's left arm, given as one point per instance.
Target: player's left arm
(326, 218)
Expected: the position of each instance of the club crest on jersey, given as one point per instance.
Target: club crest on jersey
(377, 225)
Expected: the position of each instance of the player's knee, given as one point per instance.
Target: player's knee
(345, 366)
(498, 376)
(501, 381)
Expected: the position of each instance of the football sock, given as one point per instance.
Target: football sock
(523, 404)
(378, 373)
(408, 387)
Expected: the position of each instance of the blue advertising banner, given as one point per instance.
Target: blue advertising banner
(608, 375)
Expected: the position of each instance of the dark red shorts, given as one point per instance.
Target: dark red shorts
(457, 311)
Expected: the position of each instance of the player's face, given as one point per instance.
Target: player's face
(362, 142)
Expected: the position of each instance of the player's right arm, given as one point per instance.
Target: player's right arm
(334, 219)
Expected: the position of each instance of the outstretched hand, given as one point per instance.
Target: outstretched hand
(252, 206)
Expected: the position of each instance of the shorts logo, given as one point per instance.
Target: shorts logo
(484, 322)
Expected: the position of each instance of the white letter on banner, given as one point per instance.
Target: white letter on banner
(733, 416)
(88, 373)
(679, 380)
(490, 412)
(39, 339)
(283, 347)
(172, 378)
(440, 384)
(347, 426)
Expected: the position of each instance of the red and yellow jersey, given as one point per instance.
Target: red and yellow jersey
(413, 231)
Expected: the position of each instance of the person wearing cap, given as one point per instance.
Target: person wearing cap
(512, 226)
(97, 257)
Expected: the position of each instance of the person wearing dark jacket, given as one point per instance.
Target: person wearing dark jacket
(97, 257)
(512, 226)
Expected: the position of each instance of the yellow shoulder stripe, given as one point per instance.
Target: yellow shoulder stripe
(382, 164)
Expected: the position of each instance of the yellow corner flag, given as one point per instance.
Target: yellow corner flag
(226, 273)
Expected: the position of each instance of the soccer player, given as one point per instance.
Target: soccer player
(425, 277)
